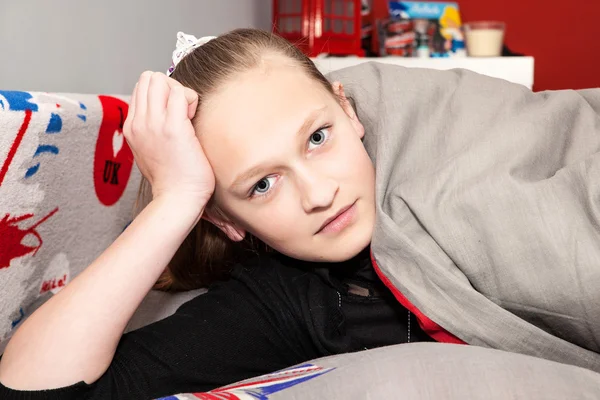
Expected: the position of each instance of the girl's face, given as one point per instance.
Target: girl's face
(288, 158)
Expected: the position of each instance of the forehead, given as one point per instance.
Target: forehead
(255, 116)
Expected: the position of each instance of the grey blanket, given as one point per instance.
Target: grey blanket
(488, 205)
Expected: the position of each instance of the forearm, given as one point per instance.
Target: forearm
(73, 336)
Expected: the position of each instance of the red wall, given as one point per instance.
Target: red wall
(563, 36)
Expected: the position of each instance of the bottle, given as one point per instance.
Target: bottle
(422, 46)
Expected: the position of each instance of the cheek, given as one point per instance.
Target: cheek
(362, 161)
(275, 221)
(349, 159)
(355, 170)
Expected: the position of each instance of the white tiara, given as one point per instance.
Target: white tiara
(184, 46)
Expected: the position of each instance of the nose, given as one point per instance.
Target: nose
(317, 191)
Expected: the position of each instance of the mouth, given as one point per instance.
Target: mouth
(339, 220)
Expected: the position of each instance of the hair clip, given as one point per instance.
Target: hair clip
(184, 46)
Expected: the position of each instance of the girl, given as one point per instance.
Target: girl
(245, 137)
(482, 220)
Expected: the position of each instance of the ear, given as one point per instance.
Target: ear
(219, 220)
(338, 89)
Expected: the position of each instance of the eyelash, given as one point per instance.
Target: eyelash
(270, 190)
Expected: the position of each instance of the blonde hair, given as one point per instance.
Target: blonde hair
(206, 254)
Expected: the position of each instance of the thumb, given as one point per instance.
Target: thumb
(192, 98)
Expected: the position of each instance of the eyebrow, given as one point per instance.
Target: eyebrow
(260, 169)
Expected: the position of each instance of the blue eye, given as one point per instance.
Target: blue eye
(318, 137)
(262, 186)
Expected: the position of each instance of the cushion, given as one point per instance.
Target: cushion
(67, 189)
(417, 371)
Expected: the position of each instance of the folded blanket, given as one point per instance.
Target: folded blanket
(488, 218)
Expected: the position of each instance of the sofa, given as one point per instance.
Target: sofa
(68, 184)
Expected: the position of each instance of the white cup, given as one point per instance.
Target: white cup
(484, 38)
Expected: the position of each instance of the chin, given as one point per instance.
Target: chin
(347, 245)
(338, 248)
(345, 255)
(347, 249)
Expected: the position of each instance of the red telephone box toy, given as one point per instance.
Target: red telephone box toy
(320, 26)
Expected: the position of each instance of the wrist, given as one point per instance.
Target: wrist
(182, 203)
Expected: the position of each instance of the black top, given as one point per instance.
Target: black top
(274, 312)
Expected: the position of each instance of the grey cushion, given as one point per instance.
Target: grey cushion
(425, 371)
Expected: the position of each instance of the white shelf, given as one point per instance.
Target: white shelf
(514, 69)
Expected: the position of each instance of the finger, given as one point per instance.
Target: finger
(192, 99)
(131, 108)
(133, 96)
(177, 107)
(190, 96)
(130, 111)
(141, 99)
(158, 93)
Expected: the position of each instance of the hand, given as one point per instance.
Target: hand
(160, 133)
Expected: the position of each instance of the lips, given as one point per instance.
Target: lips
(335, 216)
